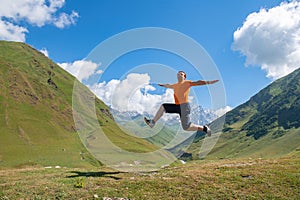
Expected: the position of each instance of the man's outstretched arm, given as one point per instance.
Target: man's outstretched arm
(201, 82)
(166, 85)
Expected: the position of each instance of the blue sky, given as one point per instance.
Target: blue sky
(238, 36)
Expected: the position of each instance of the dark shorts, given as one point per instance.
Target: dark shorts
(184, 111)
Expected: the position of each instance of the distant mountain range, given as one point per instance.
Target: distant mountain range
(168, 132)
(199, 115)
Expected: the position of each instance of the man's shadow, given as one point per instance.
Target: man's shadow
(94, 174)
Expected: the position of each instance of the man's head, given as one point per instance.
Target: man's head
(181, 75)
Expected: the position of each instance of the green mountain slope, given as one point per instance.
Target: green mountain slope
(268, 125)
(36, 120)
(275, 107)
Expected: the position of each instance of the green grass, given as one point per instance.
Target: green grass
(36, 118)
(238, 145)
(225, 179)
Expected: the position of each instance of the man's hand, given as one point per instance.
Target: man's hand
(212, 82)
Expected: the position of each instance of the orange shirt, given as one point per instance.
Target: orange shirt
(181, 91)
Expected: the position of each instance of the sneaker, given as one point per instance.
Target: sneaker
(207, 130)
(149, 122)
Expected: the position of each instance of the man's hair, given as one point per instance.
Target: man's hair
(183, 72)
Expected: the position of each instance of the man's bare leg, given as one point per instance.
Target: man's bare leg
(158, 115)
(194, 127)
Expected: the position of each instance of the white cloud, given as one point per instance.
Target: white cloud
(135, 93)
(131, 94)
(66, 20)
(99, 71)
(104, 91)
(34, 12)
(220, 112)
(45, 52)
(11, 32)
(129, 90)
(81, 69)
(271, 39)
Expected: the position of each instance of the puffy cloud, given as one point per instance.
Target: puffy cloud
(220, 112)
(105, 91)
(81, 69)
(129, 90)
(34, 12)
(66, 20)
(135, 93)
(99, 71)
(45, 52)
(271, 39)
(11, 32)
(131, 94)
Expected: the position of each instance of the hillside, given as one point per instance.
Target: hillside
(267, 125)
(276, 107)
(36, 120)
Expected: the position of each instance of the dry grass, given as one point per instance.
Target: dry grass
(226, 179)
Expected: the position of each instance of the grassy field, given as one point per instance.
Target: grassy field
(223, 179)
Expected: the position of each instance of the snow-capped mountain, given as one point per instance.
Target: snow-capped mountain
(199, 115)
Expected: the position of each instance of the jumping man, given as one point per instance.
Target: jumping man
(181, 106)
